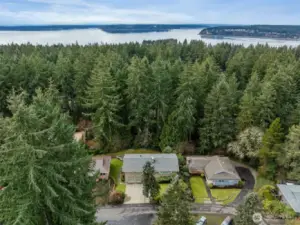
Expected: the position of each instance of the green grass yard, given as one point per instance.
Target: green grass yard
(121, 188)
(198, 189)
(163, 188)
(225, 196)
(261, 181)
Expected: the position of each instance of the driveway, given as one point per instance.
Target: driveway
(134, 194)
(246, 175)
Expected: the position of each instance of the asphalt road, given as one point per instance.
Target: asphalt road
(145, 214)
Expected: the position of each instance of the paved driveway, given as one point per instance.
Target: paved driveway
(134, 194)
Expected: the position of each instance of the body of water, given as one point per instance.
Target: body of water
(88, 36)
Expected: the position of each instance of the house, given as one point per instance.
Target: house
(101, 165)
(290, 195)
(218, 171)
(164, 165)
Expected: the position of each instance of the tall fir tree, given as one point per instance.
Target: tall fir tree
(45, 172)
(103, 99)
(218, 126)
(150, 185)
(246, 116)
(139, 96)
(245, 211)
(175, 206)
(271, 150)
(290, 157)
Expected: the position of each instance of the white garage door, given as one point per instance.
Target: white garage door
(133, 178)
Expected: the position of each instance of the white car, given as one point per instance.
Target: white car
(202, 221)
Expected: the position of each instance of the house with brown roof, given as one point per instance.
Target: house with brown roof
(218, 171)
(101, 165)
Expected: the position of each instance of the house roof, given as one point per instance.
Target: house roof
(161, 162)
(221, 168)
(292, 195)
(102, 164)
(197, 163)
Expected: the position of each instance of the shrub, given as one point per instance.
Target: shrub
(267, 192)
(164, 179)
(210, 185)
(167, 149)
(202, 175)
(116, 198)
(241, 184)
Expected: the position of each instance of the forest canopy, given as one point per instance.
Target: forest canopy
(164, 93)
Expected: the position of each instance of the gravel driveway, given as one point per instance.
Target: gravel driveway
(134, 194)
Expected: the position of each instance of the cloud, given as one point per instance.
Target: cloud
(83, 12)
(149, 11)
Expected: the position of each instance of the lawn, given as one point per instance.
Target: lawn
(198, 189)
(134, 151)
(225, 196)
(261, 181)
(212, 219)
(163, 188)
(115, 170)
(121, 188)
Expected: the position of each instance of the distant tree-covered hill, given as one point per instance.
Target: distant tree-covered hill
(267, 31)
(115, 28)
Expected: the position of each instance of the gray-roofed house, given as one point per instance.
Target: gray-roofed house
(290, 195)
(101, 165)
(218, 171)
(164, 165)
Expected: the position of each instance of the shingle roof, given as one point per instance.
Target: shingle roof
(292, 195)
(220, 168)
(103, 164)
(197, 163)
(161, 162)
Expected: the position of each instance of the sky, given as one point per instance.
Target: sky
(39, 12)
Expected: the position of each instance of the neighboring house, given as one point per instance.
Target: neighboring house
(218, 171)
(290, 195)
(164, 165)
(102, 166)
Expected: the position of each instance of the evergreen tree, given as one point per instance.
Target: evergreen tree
(150, 185)
(64, 79)
(44, 170)
(246, 116)
(245, 211)
(271, 150)
(139, 96)
(218, 125)
(291, 153)
(175, 206)
(103, 98)
(162, 93)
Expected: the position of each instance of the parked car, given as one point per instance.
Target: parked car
(202, 221)
(228, 221)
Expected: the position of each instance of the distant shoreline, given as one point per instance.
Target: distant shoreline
(277, 32)
(219, 37)
(138, 28)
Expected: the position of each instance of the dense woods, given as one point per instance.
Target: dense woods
(192, 97)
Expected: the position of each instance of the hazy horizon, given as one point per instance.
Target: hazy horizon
(90, 36)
